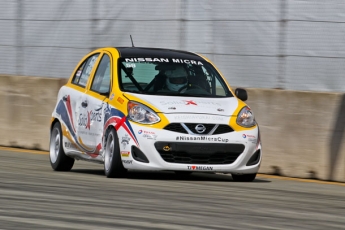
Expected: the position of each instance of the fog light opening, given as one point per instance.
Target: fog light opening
(255, 158)
(138, 155)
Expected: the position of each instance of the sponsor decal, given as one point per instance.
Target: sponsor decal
(220, 110)
(94, 134)
(70, 145)
(84, 120)
(95, 116)
(167, 148)
(162, 60)
(172, 108)
(199, 117)
(201, 138)
(125, 153)
(120, 100)
(111, 97)
(200, 168)
(145, 132)
(190, 102)
(131, 65)
(150, 136)
(147, 60)
(187, 61)
(89, 133)
(111, 116)
(78, 73)
(251, 138)
(125, 141)
(127, 162)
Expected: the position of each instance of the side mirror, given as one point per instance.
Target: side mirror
(241, 94)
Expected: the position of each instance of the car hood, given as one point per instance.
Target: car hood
(170, 104)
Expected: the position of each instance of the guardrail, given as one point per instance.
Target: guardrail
(302, 132)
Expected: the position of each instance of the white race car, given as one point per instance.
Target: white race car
(153, 109)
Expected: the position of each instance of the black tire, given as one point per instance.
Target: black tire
(244, 178)
(58, 159)
(113, 166)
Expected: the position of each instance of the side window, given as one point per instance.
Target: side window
(217, 87)
(101, 81)
(142, 72)
(83, 73)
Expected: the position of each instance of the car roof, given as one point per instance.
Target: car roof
(137, 52)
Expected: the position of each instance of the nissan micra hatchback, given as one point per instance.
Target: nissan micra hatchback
(153, 109)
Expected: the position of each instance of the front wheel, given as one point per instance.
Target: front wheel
(244, 177)
(112, 160)
(58, 159)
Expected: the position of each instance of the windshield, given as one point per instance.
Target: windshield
(171, 77)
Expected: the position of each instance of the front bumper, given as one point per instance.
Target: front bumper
(234, 152)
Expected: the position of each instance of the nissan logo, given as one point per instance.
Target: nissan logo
(200, 128)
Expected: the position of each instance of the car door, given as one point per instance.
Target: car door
(98, 98)
(81, 81)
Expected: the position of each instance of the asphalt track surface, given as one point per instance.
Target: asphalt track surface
(33, 196)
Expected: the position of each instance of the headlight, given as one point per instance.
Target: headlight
(246, 118)
(142, 114)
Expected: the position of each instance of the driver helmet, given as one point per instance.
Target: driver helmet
(176, 78)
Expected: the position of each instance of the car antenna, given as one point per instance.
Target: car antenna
(131, 40)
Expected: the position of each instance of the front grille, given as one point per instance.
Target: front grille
(199, 153)
(177, 127)
(221, 129)
(191, 127)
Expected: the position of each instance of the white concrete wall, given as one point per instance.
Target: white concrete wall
(26, 106)
(302, 132)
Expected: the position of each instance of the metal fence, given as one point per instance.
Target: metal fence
(288, 44)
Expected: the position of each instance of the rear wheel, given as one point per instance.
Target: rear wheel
(58, 159)
(244, 177)
(112, 160)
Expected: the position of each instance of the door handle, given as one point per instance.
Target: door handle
(84, 104)
(99, 107)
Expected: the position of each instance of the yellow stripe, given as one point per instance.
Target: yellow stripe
(23, 150)
(233, 123)
(301, 180)
(83, 145)
(67, 134)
